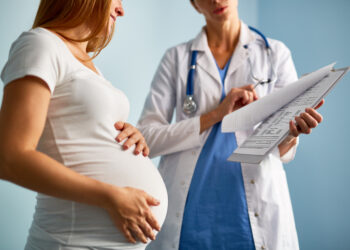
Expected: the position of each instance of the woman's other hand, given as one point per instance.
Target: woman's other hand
(304, 123)
(131, 213)
(133, 136)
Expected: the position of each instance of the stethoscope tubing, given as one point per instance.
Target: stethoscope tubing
(190, 106)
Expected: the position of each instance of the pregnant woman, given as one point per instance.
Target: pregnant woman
(57, 133)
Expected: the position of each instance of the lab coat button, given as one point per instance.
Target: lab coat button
(256, 215)
(252, 182)
(177, 215)
(263, 248)
(183, 183)
(193, 152)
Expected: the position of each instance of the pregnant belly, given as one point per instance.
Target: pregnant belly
(124, 169)
(92, 225)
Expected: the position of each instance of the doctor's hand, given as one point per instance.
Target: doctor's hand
(235, 99)
(304, 123)
(133, 136)
(131, 213)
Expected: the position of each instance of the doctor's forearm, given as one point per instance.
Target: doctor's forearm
(208, 120)
(287, 144)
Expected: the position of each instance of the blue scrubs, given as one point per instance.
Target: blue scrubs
(216, 214)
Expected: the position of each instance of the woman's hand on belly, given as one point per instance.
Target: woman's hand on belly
(131, 213)
(133, 136)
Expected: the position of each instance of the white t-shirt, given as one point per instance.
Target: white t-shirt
(79, 133)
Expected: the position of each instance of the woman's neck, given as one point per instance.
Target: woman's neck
(76, 33)
(78, 49)
(223, 36)
(222, 39)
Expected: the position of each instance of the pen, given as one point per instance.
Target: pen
(261, 82)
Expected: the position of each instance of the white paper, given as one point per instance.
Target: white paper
(274, 129)
(250, 115)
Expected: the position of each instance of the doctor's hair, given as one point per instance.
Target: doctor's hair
(66, 14)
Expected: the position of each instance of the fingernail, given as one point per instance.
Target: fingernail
(137, 152)
(126, 147)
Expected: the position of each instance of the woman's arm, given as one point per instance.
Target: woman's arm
(22, 118)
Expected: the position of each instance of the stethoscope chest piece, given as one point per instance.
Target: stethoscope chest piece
(189, 106)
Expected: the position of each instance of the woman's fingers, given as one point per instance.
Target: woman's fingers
(244, 96)
(293, 129)
(139, 148)
(133, 136)
(133, 139)
(142, 147)
(138, 140)
(128, 234)
(151, 201)
(309, 120)
(146, 229)
(119, 125)
(152, 221)
(132, 214)
(305, 122)
(320, 104)
(250, 88)
(146, 151)
(136, 231)
(315, 114)
(304, 128)
(126, 132)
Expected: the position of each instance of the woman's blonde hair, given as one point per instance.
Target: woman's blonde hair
(65, 14)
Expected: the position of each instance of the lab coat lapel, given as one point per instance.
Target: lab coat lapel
(241, 54)
(205, 59)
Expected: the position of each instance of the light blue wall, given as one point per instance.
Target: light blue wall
(317, 32)
(141, 38)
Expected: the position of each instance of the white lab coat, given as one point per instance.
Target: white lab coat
(180, 143)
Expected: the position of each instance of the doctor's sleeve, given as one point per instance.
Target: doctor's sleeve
(286, 74)
(161, 136)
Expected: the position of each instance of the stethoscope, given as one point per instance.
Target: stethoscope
(190, 105)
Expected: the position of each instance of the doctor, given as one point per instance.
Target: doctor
(215, 204)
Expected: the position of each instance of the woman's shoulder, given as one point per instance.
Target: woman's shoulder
(38, 38)
(37, 53)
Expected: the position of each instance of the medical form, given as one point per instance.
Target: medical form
(307, 92)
